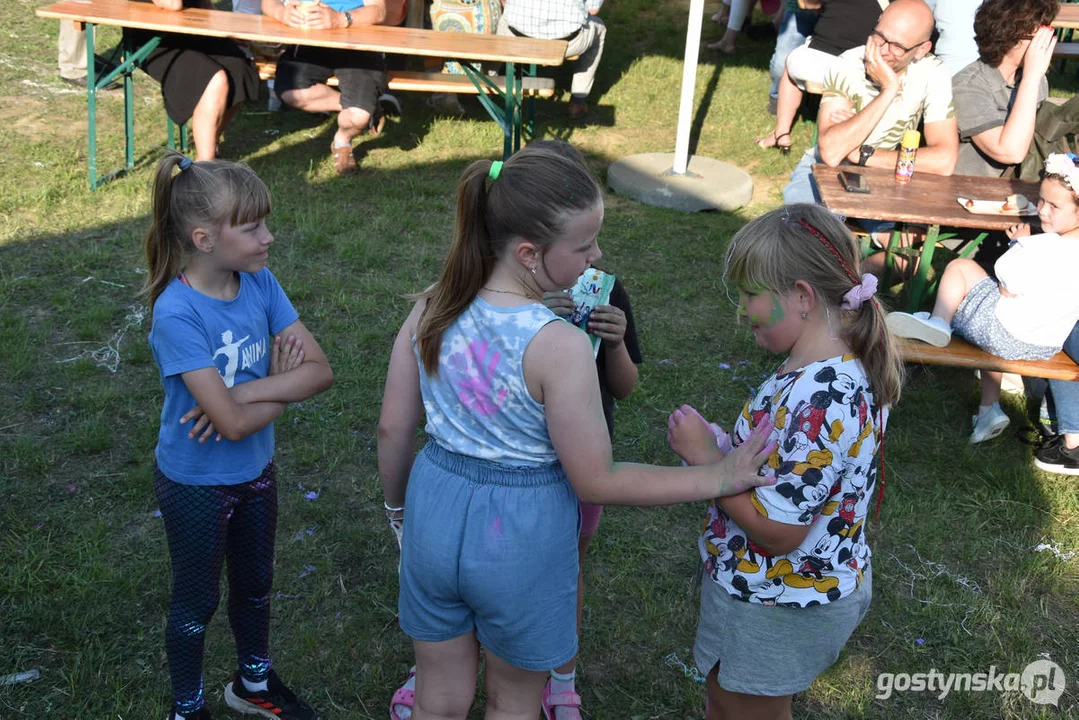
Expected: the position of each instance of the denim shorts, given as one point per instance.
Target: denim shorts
(491, 548)
(773, 650)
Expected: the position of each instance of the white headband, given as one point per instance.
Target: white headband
(1064, 166)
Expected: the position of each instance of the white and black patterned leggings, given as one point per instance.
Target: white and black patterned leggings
(205, 524)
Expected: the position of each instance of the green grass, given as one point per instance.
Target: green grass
(84, 578)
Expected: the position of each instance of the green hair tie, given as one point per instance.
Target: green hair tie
(496, 170)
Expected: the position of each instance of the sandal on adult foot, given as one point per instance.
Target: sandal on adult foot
(571, 701)
(784, 149)
(403, 697)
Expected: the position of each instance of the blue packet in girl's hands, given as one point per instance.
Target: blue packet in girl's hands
(593, 288)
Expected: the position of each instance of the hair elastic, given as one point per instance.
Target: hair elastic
(853, 298)
(185, 163)
(496, 170)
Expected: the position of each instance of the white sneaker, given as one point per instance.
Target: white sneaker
(920, 326)
(989, 424)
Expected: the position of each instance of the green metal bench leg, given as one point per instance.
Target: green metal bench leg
(532, 105)
(917, 288)
(512, 117)
(129, 111)
(91, 107)
(889, 258)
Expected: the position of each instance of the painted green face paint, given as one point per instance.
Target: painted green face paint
(760, 307)
(777, 313)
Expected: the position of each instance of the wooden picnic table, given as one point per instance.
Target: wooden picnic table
(515, 52)
(1068, 17)
(927, 200)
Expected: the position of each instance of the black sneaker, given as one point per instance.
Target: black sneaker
(201, 714)
(276, 701)
(1055, 457)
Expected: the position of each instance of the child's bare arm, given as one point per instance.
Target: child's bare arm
(609, 324)
(775, 537)
(312, 376)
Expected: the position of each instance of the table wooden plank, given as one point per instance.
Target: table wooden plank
(928, 199)
(263, 29)
(1068, 17)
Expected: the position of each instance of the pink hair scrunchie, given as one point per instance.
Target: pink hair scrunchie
(861, 292)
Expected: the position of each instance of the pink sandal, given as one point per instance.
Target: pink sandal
(403, 696)
(553, 700)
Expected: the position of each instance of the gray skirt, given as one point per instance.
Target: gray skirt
(770, 649)
(976, 322)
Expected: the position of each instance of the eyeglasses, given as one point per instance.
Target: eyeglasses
(894, 48)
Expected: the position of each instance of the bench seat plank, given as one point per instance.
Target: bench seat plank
(411, 81)
(1066, 50)
(960, 353)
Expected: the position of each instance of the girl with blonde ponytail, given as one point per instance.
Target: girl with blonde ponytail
(232, 353)
(788, 565)
(516, 433)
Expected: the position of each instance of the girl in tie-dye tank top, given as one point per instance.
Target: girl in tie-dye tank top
(516, 434)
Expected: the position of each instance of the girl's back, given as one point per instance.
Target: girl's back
(478, 404)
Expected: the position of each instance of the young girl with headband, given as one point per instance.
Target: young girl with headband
(232, 353)
(515, 434)
(1028, 310)
(787, 567)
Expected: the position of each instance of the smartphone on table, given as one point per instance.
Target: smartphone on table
(853, 182)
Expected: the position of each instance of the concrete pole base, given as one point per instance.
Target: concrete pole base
(707, 184)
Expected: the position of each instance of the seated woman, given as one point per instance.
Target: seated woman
(997, 97)
(841, 25)
(203, 79)
(1028, 310)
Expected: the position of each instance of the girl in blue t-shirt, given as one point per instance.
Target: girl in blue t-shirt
(232, 353)
(517, 433)
(787, 573)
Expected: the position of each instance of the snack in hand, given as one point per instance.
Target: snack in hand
(593, 288)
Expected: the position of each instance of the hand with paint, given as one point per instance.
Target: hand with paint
(743, 468)
(689, 442)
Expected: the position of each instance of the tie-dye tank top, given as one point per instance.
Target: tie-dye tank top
(479, 405)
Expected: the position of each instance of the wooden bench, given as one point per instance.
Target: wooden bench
(412, 81)
(960, 353)
(1066, 50)
(502, 98)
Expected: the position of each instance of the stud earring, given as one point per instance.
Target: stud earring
(533, 270)
(804, 314)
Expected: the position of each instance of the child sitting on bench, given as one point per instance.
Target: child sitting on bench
(1028, 309)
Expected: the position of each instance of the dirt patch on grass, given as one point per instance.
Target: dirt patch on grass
(42, 118)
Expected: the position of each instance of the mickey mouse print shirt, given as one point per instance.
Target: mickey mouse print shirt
(828, 428)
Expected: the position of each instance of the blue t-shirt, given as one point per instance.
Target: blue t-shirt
(191, 331)
(342, 5)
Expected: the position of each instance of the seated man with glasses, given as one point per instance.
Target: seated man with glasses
(872, 95)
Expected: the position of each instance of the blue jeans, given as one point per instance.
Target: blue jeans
(795, 27)
(1065, 393)
(803, 189)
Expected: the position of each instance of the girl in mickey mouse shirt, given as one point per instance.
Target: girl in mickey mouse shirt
(788, 566)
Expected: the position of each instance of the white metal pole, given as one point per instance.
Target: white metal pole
(689, 84)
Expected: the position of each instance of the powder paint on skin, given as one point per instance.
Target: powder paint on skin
(777, 314)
